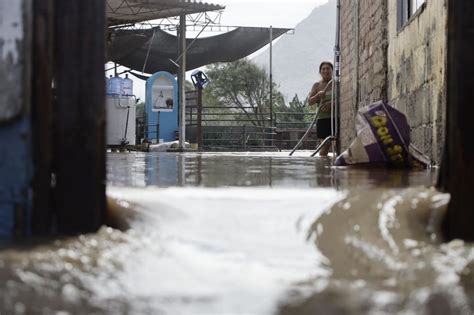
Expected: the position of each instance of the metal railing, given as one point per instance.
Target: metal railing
(230, 127)
(237, 128)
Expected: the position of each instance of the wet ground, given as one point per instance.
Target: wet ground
(251, 169)
(250, 233)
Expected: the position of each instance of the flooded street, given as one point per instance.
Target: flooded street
(251, 169)
(249, 233)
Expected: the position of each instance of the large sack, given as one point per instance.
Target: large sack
(383, 137)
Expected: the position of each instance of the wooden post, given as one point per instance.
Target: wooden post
(80, 120)
(199, 118)
(457, 169)
(42, 115)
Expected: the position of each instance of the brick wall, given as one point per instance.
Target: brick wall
(363, 59)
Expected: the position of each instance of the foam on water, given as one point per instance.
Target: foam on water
(224, 251)
(189, 251)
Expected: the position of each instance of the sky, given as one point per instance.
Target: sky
(263, 13)
(277, 13)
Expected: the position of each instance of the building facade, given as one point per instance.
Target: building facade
(395, 50)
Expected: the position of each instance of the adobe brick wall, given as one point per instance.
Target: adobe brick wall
(363, 59)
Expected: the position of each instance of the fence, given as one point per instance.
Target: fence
(244, 127)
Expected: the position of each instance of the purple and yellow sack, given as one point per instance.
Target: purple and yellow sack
(383, 137)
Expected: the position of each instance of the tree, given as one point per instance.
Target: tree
(244, 88)
(189, 86)
(295, 112)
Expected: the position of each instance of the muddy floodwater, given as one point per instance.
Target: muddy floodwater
(249, 233)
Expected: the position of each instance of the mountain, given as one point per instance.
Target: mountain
(296, 57)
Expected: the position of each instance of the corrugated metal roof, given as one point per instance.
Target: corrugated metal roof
(134, 11)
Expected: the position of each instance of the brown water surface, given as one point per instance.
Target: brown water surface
(249, 233)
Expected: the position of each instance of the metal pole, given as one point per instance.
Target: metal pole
(271, 85)
(199, 118)
(271, 76)
(337, 81)
(182, 81)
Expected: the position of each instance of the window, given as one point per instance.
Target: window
(405, 9)
(417, 4)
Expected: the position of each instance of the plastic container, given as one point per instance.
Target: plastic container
(115, 86)
(107, 85)
(127, 86)
(119, 129)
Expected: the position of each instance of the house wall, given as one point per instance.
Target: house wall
(417, 73)
(406, 67)
(363, 59)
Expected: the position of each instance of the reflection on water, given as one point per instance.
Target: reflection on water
(256, 233)
(249, 169)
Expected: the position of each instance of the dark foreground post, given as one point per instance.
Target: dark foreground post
(42, 115)
(457, 168)
(80, 115)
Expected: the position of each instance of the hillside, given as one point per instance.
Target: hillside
(296, 57)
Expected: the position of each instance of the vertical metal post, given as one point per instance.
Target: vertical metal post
(271, 86)
(182, 81)
(271, 76)
(181, 169)
(199, 118)
(337, 80)
(357, 51)
(191, 112)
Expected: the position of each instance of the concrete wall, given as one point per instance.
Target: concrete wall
(363, 59)
(416, 72)
(13, 44)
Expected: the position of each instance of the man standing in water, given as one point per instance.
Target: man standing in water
(321, 96)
